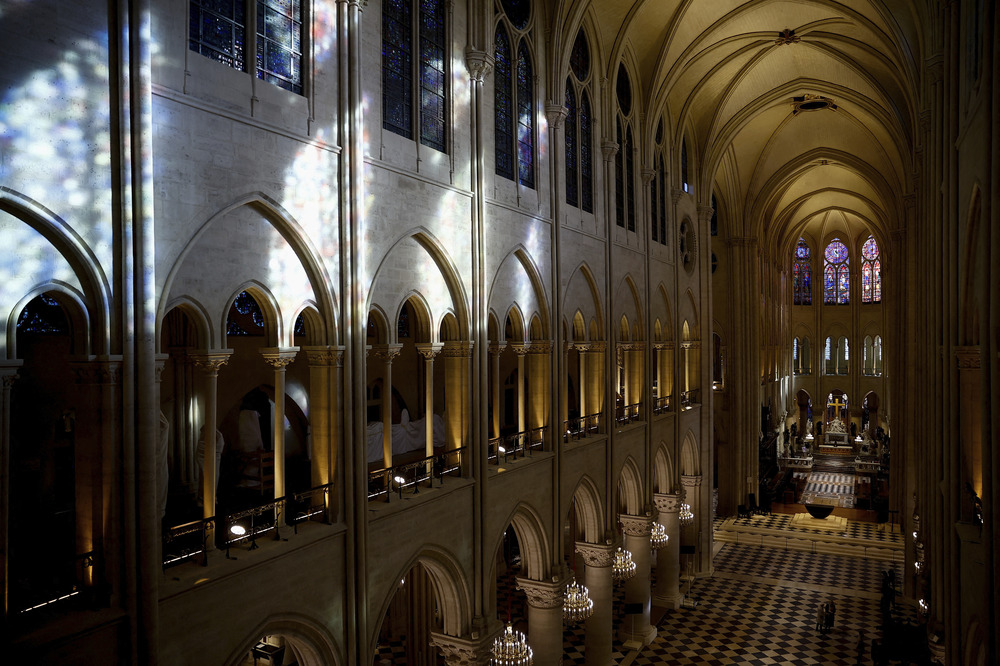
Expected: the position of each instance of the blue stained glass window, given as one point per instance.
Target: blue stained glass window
(579, 58)
(397, 81)
(518, 11)
(684, 166)
(572, 186)
(801, 267)
(586, 157)
(619, 177)
(433, 81)
(300, 326)
(871, 269)
(623, 87)
(232, 328)
(663, 202)
(504, 105)
(43, 315)
(630, 178)
(836, 274)
(279, 43)
(245, 316)
(525, 117)
(218, 30)
(654, 217)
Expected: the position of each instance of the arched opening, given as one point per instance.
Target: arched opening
(414, 612)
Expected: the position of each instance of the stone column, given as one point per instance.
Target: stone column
(429, 350)
(456, 393)
(668, 558)
(700, 532)
(211, 361)
(597, 644)
(495, 350)
(538, 370)
(474, 650)
(386, 353)
(595, 363)
(545, 622)
(8, 375)
(582, 349)
(635, 378)
(324, 361)
(636, 629)
(279, 358)
(521, 350)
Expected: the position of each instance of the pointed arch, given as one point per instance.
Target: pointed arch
(74, 305)
(587, 504)
(690, 456)
(584, 296)
(521, 254)
(630, 491)
(269, 308)
(663, 469)
(311, 643)
(536, 551)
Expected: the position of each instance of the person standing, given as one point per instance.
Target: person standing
(820, 617)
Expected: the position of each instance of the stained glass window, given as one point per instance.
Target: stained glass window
(586, 155)
(714, 225)
(654, 226)
(624, 91)
(433, 82)
(619, 177)
(218, 30)
(836, 274)
(504, 105)
(518, 11)
(44, 315)
(245, 316)
(630, 178)
(802, 274)
(684, 166)
(279, 43)
(525, 117)
(572, 183)
(397, 63)
(871, 278)
(663, 201)
(300, 326)
(579, 59)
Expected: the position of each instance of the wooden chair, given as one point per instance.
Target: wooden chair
(265, 472)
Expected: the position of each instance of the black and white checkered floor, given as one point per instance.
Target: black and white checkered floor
(783, 522)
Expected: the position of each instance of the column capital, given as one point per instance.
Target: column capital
(520, 348)
(705, 212)
(385, 353)
(479, 64)
(457, 349)
(463, 651)
(496, 348)
(648, 175)
(595, 554)
(667, 502)
(691, 481)
(968, 357)
(675, 195)
(597, 345)
(324, 355)
(210, 360)
(540, 347)
(582, 347)
(542, 593)
(636, 526)
(278, 357)
(97, 370)
(556, 114)
(609, 149)
(429, 349)
(8, 372)
(660, 345)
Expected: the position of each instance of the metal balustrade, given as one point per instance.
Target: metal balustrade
(661, 405)
(519, 444)
(409, 476)
(628, 413)
(582, 426)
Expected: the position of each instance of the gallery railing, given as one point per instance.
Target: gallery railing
(661, 405)
(187, 542)
(518, 444)
(248, 524)
(628, 413)
(580, 427)
(60, 590)
(410, 476)
(689, 398)
(310, 505)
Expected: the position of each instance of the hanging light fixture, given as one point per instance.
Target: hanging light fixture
(511, 648)
(622, 568)
(686, 517)
(577, 604)
(658, 536)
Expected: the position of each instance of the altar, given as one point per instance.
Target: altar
(836, 435)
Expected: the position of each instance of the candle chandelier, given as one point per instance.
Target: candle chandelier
(577, 604)
(686, 517)
(511, 648)
(622, 568)
(658, 536)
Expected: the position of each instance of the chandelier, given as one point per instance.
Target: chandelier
(686, 516)
(511, 648)
(622, 568)
(577, 604)
(658, 536)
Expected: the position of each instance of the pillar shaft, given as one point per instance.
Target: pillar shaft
(635, 628)
(597, 644)
(545, 623)
(211, 362)
(8, 375)
(429, 351)
(668, 558)
(495, 351)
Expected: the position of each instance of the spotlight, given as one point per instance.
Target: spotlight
(238, 530)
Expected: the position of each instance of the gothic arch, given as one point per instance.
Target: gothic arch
(536, 552)
(629, 489)
(274, 327)
(74, 306)
(311, 319)
(576, 296)
(311, 644)
(307, 255)
(587, 503)
(196, 314)
(663, 469)
(690, 456)
(520, 253)
(634, 313)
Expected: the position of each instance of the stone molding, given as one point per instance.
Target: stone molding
(667, 502)
(324, 355)
(456, 349)
(210, 360)
(479, 64)
(556, 113)
(384, 353)
(463, 651)
(595, 554)
(676, 194)
(968, 357)
(520, 348)
(705, 213)
(497, 348)
(540, 347)
(97, 371)
(279, 357)
(542, 593)
(429, 350)
(691, 481)
(636, 526)
(609, 149)
(647, 176)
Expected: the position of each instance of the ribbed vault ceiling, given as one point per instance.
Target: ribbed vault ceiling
(717, 73)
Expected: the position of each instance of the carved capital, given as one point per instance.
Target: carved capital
(463, 651)
(8, 380)
(479, 64)
(159, 362)
(595, 555)
(384, 353)
(582, 347)
(278, 357)
(647, 176)
(541, 593)
(540, 347)
(496, 348)
(705, 213)
(456, 350)
(691, 481)
(968, 358)
(99, 371)
(520, 348)
(675, 195)
(429, 350)
(636, 526)
(667, 502)
(598, 346)
(211, 361)
(556, 114)
(324, 355)
(609, 149)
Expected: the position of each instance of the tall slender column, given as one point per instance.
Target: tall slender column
(429, 350)
(386, 353)
(595, 363)
(700, 531)
(538, 372)
(456, 392)
(668, 558)
(279, 358)
(321, 359)
(635, 628)
(521, 350)
(635, 354)
(597, 641)
(545, 622)
(582, 388)
(8, 375)
(495, 350)
(211, 361)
